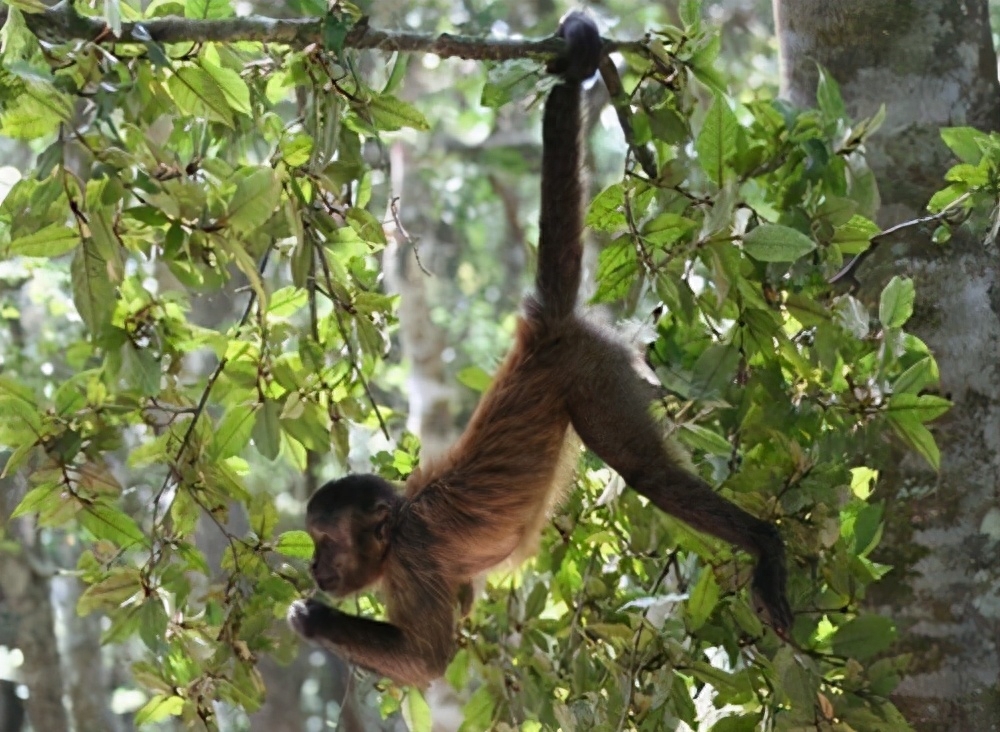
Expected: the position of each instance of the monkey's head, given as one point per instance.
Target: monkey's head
(348, 520)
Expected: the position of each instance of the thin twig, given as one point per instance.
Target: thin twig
(941, 215)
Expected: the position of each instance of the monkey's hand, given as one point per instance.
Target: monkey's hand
(309, 618)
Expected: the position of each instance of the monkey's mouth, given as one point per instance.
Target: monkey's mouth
(328, 582)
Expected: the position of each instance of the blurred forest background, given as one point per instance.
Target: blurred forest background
(231, 270)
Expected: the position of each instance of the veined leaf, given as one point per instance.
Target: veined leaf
(159, 708)
(110, 592)
(295, 544)
(52, 241)
(233, 431)
(777, 243)
(255, 200)
(389, 113)
(896, 303)
(716, 143)
(107, 522)
(197, 93)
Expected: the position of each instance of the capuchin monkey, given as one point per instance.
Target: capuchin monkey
(488, 499)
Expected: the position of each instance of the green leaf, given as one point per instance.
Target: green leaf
(267, 430)
(855, 236)
(777, 243)
(287, 301)
(19, 420)
(368, 227)
(896, 303)
(307, 422)
(389, 113)
(704, 597)
(29, 6)
(908, 426)
(738, 723)
(235, 90)
(797, 681)
(107, 522)
(945, 197)
(335, 30)
(716, 143)
(255, 200)
(918, 376)
(37, 499)
(690, 13)
(965, 142)
(605, 213)
(52, 241)
(141, 369)
(233, 431)
(478, 712)
(617, 266)
(700, 438)
(828, 97)
(295, 544)
(508, 81)
(806, 310)
(417, 712)
(159, 708)
(208, 9)
(93, 293)
(475, 378)
(121, 584)
(703, 63)
(196, 93)
(667, 228)
(864, 637)
(924, 407)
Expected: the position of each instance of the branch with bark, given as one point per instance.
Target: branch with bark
(63, 23)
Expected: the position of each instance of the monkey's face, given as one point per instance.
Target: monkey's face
(347, 520)
(347, 559)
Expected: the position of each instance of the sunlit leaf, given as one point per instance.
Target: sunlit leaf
(295, 544)
(896, 303)
(159, 708)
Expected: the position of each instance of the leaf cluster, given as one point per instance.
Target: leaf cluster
(165, 173)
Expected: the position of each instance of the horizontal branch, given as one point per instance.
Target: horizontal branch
(62, 23)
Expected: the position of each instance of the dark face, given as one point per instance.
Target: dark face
(349, 527)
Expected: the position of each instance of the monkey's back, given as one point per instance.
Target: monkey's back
(512, 461)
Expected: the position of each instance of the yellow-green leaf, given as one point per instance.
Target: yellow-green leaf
(159, 708)
(52, 241)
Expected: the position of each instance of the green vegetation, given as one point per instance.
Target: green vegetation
(162, 177)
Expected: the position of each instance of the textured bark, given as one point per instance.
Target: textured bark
(83, 665)
(26, 595)
(932, 63)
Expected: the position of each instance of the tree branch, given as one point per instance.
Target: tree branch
(62, 23)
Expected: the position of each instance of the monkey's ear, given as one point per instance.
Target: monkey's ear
(380, 526)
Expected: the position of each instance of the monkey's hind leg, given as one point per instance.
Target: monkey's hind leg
(610, 410)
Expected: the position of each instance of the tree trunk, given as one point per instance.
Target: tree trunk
(83, 665)
(431, 396)
(26, 594)
(932, 63)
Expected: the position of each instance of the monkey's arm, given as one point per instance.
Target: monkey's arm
(402, 654)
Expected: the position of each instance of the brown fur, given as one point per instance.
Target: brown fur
(488, 499)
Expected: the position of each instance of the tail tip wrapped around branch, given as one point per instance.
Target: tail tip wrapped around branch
(583, 52)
